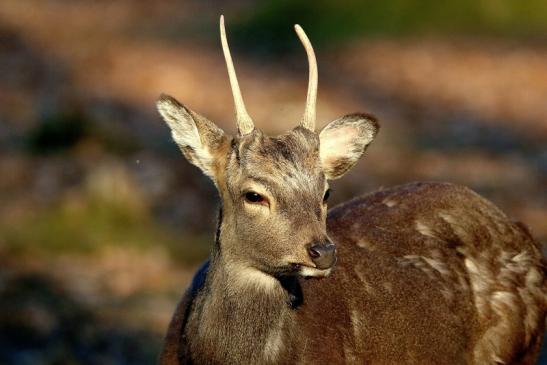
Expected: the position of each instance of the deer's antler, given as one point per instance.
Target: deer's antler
(244, 122)
(308, 119)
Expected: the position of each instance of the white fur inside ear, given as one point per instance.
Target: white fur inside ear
(343, 141)
(336, 143)
(184, 131)
(183, 128)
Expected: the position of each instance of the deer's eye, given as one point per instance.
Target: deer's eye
(254, 198)
(326, 196)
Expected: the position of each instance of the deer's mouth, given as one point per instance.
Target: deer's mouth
(309, 271)
(312, 272)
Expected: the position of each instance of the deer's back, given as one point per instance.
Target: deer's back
(426, 273)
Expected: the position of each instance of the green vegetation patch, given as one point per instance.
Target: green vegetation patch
(267, 25)
(85, 224)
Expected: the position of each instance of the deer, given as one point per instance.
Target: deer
(423, 273)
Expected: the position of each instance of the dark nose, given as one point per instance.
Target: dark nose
(323, 255)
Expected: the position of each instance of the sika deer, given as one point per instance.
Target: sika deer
(426, 273)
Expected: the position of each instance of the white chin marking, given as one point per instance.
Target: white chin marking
(314, 273)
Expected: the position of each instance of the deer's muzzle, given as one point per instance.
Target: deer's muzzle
(323, 255)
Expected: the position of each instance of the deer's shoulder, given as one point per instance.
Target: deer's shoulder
(426, 215)
(171, 352)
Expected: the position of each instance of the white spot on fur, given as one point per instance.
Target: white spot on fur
(528, 296)
(433, 267)
(498, 360)
(508, 302)
(364, 280)
(448, 294)
(360, 275)
(437, 265)
(427, 265)
(390, 202)
(503, 300)
(460, 231)
(493, 341)
(356, 324)
(471, 267)
(424, 229)
(274, 343)
(312, 272)
(481, 282)
(533, 277)
(522, 257)
(364, 244)
(250, 277)
(349, 354)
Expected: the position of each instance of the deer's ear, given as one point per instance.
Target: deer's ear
(199, 139)
(343, 141)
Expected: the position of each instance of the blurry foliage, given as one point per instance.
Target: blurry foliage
(266, 28)
(40, 323)
(88, 223)
(58, 132)
(62, 130)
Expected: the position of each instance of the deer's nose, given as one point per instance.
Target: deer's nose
(323, 255)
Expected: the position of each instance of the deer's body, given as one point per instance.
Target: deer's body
(426, 273)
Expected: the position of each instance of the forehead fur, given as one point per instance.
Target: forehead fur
(291, 159)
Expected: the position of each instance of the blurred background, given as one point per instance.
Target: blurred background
(102, 221)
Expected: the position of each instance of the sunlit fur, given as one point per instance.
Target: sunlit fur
(427, 273)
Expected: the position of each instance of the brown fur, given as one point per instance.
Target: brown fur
(427, 273)
(402, 313)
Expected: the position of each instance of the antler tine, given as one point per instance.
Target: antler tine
(308, 119)
(244, 122)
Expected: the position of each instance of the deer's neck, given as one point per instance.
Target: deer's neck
(242, 315)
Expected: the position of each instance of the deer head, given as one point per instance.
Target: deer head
(274, 190)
